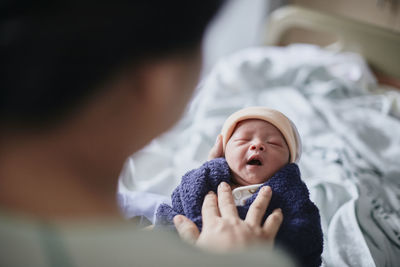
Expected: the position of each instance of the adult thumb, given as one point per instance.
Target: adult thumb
(187, 229)
(217, 150)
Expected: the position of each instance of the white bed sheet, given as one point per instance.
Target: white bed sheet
(351, 144)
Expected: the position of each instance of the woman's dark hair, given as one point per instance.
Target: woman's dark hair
(55, 53)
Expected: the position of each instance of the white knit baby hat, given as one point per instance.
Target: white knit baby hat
(276, 118)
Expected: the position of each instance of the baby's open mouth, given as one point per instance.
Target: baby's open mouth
(254, 160)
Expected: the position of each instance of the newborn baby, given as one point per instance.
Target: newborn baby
(261, 147)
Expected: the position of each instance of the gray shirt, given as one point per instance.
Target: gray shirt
(29, 242)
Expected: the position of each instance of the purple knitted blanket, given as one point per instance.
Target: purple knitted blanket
(300, 233)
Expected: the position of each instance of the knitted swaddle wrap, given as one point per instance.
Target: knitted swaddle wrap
(300, 232)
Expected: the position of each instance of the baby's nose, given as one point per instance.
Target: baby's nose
(257, 146)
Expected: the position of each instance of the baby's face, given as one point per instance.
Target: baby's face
(255, 151)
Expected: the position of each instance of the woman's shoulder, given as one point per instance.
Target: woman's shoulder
(111, 244)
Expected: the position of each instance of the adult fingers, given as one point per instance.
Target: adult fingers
(209, 209)
(217, 150)
(226, 204)
(272, 224)
(259, 206)
(187, 229)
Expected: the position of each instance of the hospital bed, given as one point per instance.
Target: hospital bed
(379, 46)
(348, 121)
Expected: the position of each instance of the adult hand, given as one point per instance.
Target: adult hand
(223, 230)
(217, 150)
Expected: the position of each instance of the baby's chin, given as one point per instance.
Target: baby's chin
(249, 180)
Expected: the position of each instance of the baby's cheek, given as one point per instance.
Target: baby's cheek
(230, 162)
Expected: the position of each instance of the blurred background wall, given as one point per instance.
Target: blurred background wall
(238, 26)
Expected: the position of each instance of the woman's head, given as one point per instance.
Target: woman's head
(90, 82)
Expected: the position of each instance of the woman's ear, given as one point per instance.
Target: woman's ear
(163, 88)
(156, 82)
(173, 77)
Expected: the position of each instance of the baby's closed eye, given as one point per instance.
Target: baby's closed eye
(241, 140)
(274, 142)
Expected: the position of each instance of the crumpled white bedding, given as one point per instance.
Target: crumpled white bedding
(350, 130)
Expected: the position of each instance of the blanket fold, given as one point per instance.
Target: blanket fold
(300, 233)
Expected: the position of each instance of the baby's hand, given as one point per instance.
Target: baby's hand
(223, 230)
(217, 150)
